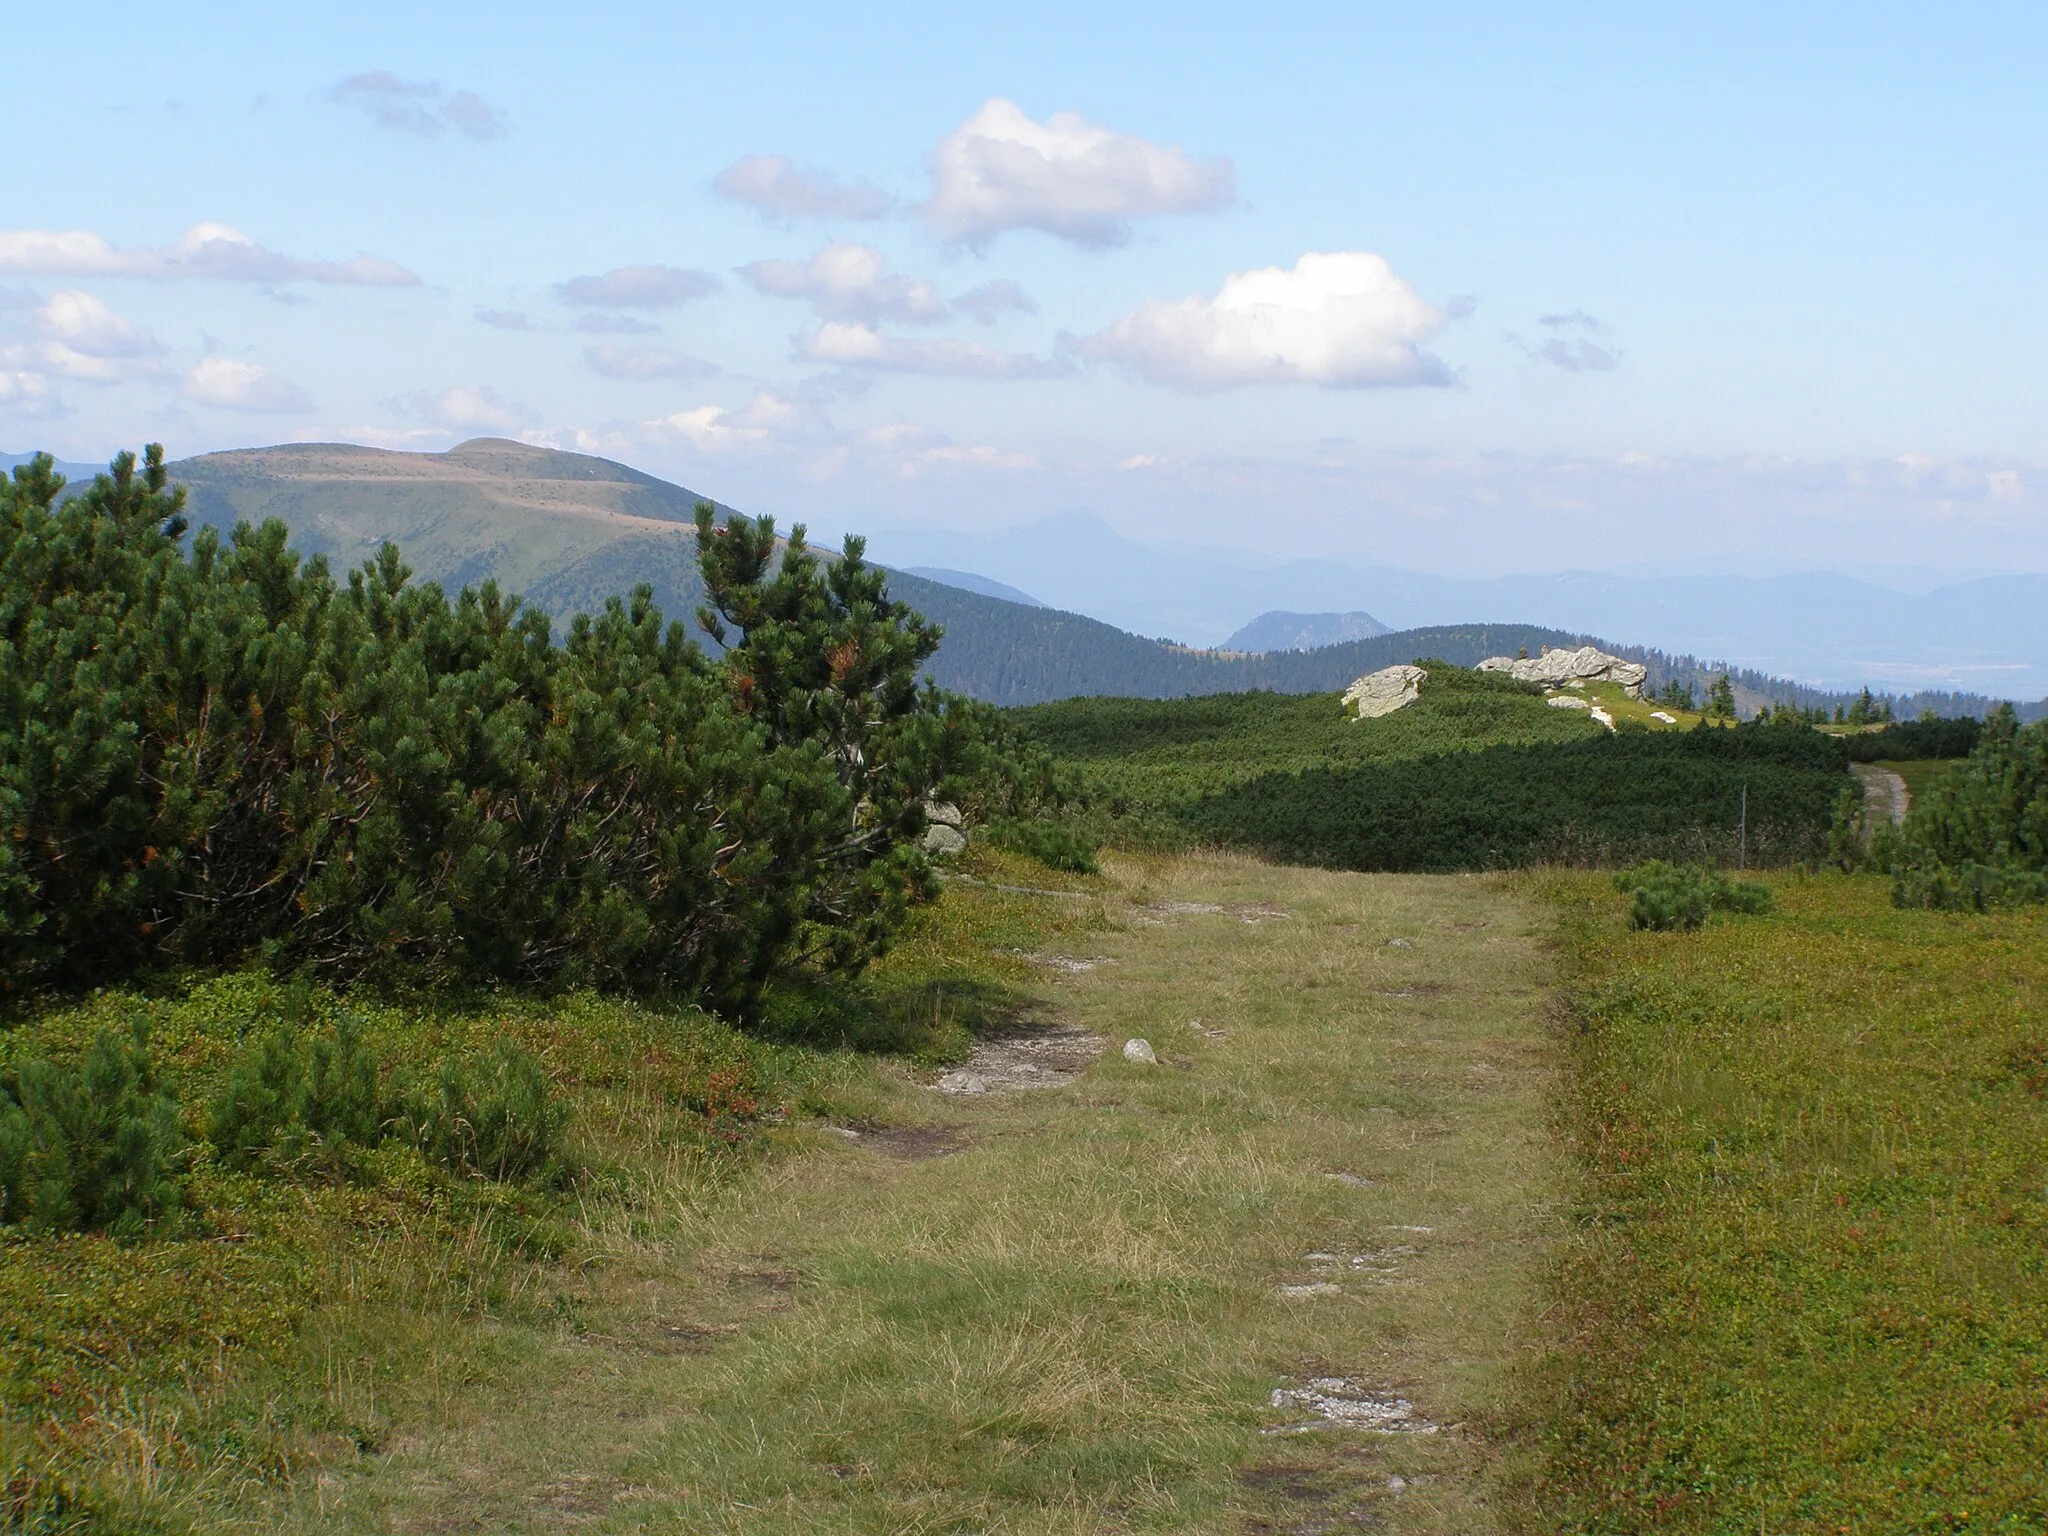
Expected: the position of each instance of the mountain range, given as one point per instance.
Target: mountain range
(1830, 631)
(569, 530)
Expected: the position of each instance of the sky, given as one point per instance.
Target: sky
(1463, 288)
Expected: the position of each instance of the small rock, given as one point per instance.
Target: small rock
(962, 1082)
(944, 813)
(1354, 1180)
(1140, 1050)
(1399, 944)
(1312, 1288)
(1566, 701)
(943, 840)
(1603, 717)
(1658, 714)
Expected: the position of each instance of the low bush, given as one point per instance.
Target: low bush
(499, 1119)
(1055, 844)
(299, 1097)
(1678, 896)
(93, 1148)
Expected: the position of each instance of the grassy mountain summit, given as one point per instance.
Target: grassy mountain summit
(529, 517)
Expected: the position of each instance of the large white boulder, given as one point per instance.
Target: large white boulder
(1383, 692)
(1587, 664)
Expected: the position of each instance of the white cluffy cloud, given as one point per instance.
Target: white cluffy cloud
(641, 287)
(715, 429)
(1000, 170)
(1340, 319)
(419, 106)
(210, 251)
(238, 386)
(850, 281)
(864, 347)
(643, 363)
(76, 336)
(782, 190)
(473, 408)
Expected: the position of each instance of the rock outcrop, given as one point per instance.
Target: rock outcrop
(1588, 664)
(1383, 692)
(945, 830)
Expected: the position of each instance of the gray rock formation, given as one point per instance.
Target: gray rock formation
(946, 830)
(1587, 664)
(1383, 692)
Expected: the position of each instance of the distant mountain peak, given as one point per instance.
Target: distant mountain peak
(968, 581)
(1282, 631)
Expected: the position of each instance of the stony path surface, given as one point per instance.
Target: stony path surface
(1885, 796)
(1273, 1279)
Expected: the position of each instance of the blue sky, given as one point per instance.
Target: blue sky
(1729, 287)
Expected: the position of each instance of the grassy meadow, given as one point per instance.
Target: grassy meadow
(1805, 1288)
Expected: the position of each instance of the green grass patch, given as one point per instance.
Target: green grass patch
(1807, 1289)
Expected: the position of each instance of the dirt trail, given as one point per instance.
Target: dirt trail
(1885, 796)
(1272, 1281)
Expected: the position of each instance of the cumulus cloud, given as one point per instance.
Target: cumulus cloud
(473, 408)
(24, 392)
(993, 300)
(208, 251)
(615, 325)
(239, 386)
(1572, 319)
(781, 190)
(862, 346)
(1000, 170)
(641, 363)
(419, 106)
(849, 281)
(718, 430)
(644, 287)
(76, 336)
(1341, 319)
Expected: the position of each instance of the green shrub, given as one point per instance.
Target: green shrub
(1665, 896)
(1978, 838)
(299, 1097)
(500, 1119)
(93, 1148)
(213, 747)
(1055, 844)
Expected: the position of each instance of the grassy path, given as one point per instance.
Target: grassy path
(1066, 1310)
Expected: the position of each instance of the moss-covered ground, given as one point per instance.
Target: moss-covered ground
(1807, 1288)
